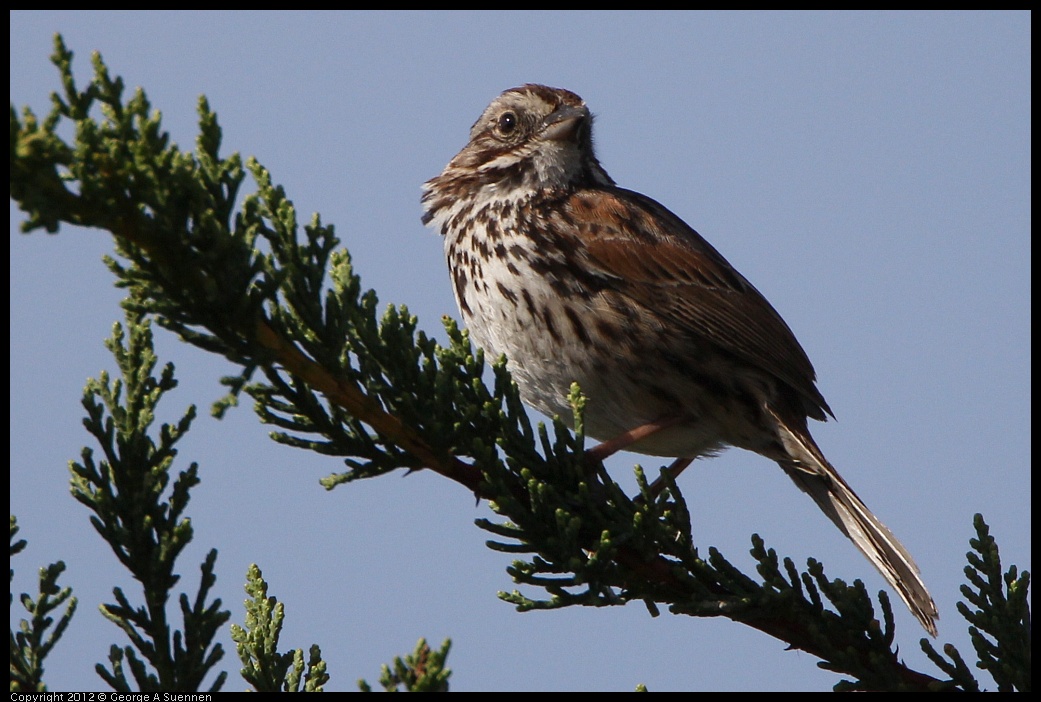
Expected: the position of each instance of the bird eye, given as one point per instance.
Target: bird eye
(507, 123)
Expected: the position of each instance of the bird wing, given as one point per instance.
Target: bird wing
(670, 269)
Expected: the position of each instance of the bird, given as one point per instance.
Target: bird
(575, 279)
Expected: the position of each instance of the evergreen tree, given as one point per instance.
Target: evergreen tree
(336, 376)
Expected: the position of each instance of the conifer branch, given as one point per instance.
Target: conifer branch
(35, 639)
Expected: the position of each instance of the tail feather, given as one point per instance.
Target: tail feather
(814, 475)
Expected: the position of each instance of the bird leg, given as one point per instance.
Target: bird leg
(598, 453)
(627, 439)
(673, 471)
(605, 449)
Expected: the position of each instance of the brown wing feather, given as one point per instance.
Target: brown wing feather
(670, 268)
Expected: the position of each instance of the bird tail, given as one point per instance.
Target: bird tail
(814, 475)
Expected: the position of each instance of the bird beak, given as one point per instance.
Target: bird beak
(564, 123)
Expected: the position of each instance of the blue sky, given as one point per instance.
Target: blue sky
(868, 172)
